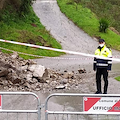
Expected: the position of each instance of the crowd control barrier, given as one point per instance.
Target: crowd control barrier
(8, 110)
(88, 107)
(60, 106)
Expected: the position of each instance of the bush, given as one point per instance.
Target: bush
(104, 24)
(25, 7)
(21, 7)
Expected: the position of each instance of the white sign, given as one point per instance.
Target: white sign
(101, 104)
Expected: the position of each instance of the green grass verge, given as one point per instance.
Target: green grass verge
(88, 22)
(28, 30)
(118, 78)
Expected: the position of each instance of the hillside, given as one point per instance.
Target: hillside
(88, 20)
(109, 9)
(18, 22)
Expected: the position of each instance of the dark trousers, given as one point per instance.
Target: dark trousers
(99, 73)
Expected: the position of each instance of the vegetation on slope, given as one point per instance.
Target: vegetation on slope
(88, 21)
(109, 9)
(18, 22)
(87, 14)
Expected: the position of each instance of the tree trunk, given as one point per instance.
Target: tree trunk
(2, 3)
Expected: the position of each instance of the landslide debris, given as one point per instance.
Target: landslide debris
(17, 74)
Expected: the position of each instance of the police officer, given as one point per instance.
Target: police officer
(102, 66)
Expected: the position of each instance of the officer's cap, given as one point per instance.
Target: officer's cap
(101, 40)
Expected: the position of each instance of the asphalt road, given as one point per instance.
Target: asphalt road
(64, 31)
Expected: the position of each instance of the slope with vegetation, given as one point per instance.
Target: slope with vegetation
(109, 9)
(18, 22)
(87, 14)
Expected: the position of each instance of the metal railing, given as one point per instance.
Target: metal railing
(58, 114)
(18, 111)
(82, 115)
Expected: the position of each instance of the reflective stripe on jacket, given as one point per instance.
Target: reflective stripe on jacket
(103, 63)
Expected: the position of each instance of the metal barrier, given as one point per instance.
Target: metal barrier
(19, 111)
(83, 115)
(111, 110)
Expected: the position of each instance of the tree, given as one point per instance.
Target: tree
(2, 3)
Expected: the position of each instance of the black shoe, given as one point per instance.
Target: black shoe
(98, 92)
(105, 93)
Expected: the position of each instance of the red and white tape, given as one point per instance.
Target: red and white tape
(59, 50)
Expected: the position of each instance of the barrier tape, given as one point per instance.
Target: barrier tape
(59, 50)
(61, 58)
(20, 52)
(44, 1)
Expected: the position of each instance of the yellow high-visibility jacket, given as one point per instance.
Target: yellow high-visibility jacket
(102, 63)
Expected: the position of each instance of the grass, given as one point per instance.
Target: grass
(110, 10)
(85, 19)
(28, 30)
(118, 78)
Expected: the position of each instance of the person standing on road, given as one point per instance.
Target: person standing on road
(102, 66)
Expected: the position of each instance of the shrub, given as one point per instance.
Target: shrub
(104, 24)
(21, 7)
(25, 7)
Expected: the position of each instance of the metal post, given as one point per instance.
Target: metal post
(67, 116)
(27, 116)
(17, 116)
(39, 112)
(7, 116)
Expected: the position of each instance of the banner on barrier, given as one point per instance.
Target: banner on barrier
(101, 104)
(0, 101)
